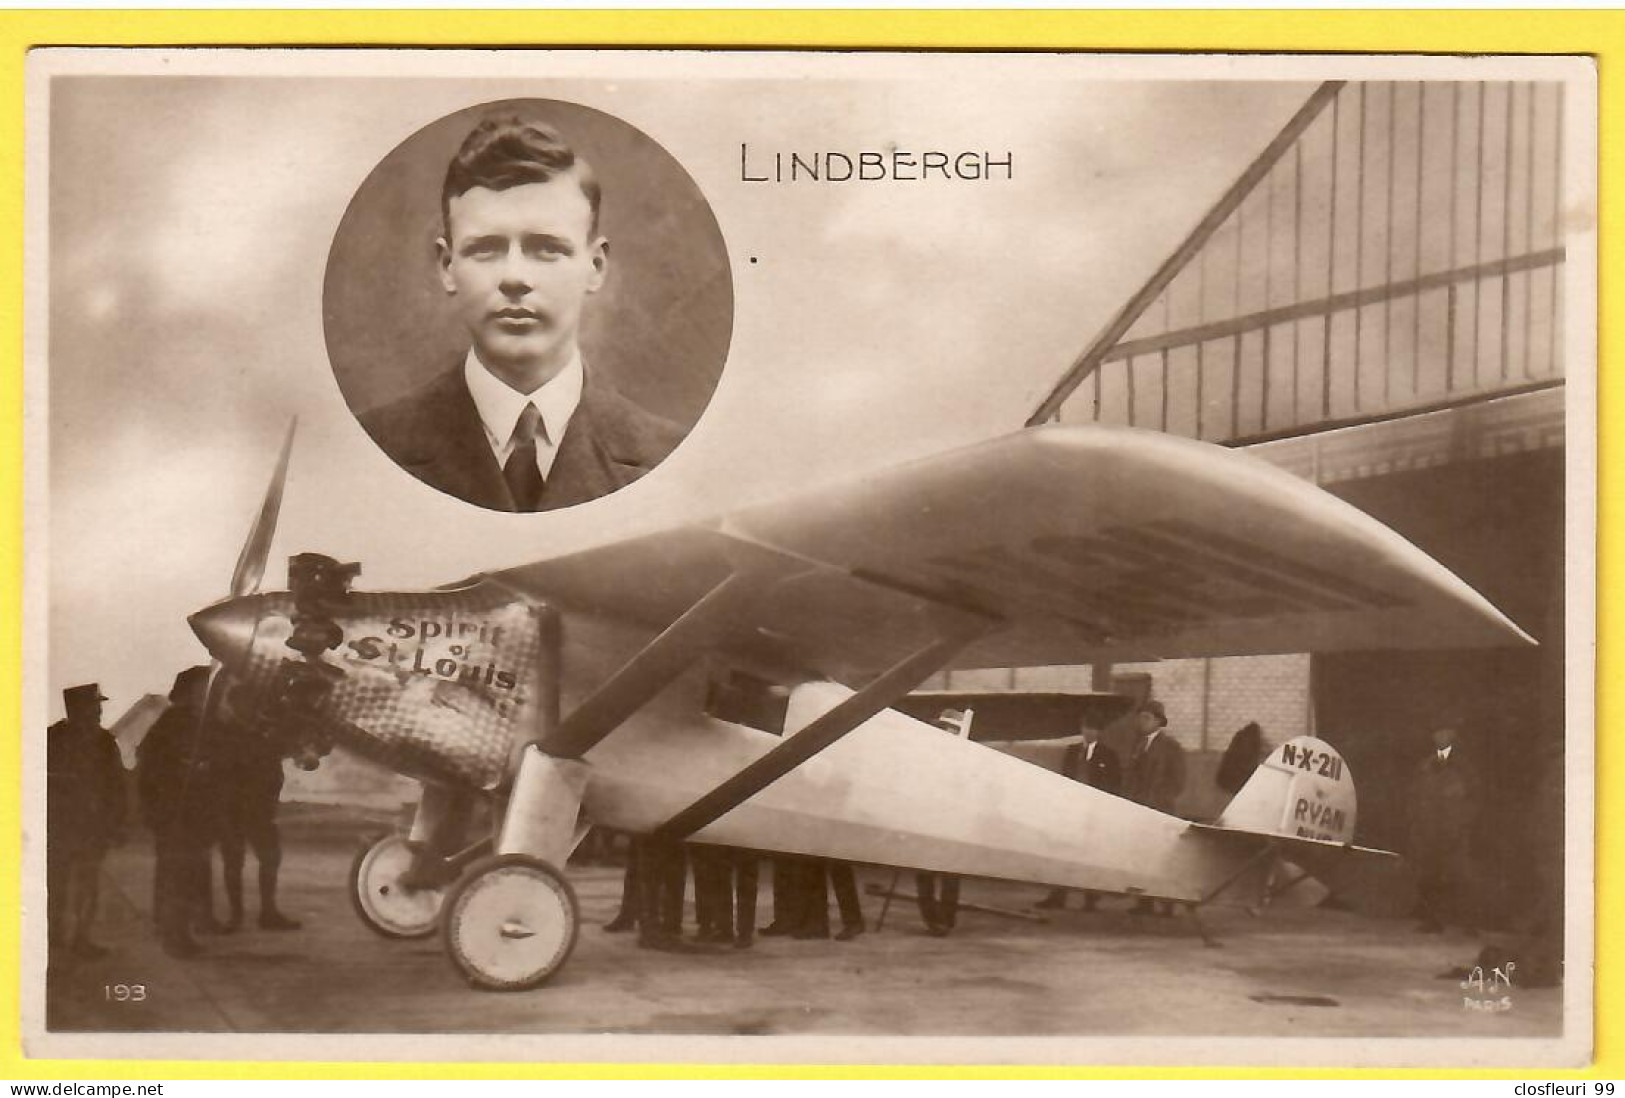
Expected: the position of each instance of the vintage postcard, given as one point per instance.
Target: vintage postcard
(511, 533)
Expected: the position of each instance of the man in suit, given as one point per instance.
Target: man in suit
(1093, 764)
(745, 872)
(713, 893)
(84, 808)
(1156, 773)
(1441, 818)
(662, 882)
(652, 890)
(789, 896)
(725, 881)
(175, 776)
(822, 873)
(521, 423)
(938, 897)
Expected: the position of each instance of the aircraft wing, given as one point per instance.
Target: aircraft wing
(1079, 544)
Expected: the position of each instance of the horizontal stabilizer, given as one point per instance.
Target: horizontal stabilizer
(1344, 869)
(1295, 848)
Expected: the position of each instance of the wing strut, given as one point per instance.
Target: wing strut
(822, 732)
(662, 660)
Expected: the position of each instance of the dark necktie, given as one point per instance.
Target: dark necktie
(524, 479)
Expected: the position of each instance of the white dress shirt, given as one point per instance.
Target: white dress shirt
(500, 406)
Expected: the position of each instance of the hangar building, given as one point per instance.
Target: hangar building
(1376, 305)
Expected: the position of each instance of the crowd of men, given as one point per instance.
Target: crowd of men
(202, 783)
(726, 880)
(208, 783)
(725, 893)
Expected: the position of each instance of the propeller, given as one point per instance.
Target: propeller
(245, 580)
(228, 628)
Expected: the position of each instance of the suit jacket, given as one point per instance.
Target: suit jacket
(435, 434)
(1442, 803)
(84, 788)
(1156, 773)
(1102, 772)
(173, 775)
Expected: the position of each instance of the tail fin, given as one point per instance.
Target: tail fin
(1300, 801)
(1303, 790)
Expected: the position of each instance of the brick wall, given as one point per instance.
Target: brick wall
(1207, 700)
(1272, 690)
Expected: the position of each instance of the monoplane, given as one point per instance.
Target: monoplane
(730, 681)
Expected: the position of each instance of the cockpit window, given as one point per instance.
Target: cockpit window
(745, 699)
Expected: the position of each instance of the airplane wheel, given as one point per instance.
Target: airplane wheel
(511, 922)
(381, 902)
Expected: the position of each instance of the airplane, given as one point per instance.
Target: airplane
(572, 691)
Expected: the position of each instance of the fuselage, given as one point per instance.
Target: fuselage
(446, 687)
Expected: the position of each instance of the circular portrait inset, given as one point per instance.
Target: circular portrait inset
(528, 304)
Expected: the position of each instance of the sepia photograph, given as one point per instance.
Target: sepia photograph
(870, 558)
(521, 331)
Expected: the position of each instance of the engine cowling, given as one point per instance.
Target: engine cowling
(441, 686)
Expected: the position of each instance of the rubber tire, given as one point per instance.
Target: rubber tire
(471, 889)
(360, 906)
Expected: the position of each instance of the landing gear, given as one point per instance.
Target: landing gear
(511, 922)
(383, 903)
(508, 918)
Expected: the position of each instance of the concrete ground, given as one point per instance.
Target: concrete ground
(1297, 972)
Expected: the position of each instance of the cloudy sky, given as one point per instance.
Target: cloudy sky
(189, 224)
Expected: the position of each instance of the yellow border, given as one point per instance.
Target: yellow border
(1598, 33)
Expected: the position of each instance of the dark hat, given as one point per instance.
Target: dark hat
(190, 679)
(80, 695)
(1156, 710)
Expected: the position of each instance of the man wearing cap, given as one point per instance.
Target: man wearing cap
(84, 807)
(1441, 816)
(1156, 772)
(174, 776)
(1093, 764)
(520, 423)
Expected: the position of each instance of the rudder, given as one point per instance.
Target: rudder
(1303, 789)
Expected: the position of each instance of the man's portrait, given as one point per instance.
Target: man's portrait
(539, 388)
